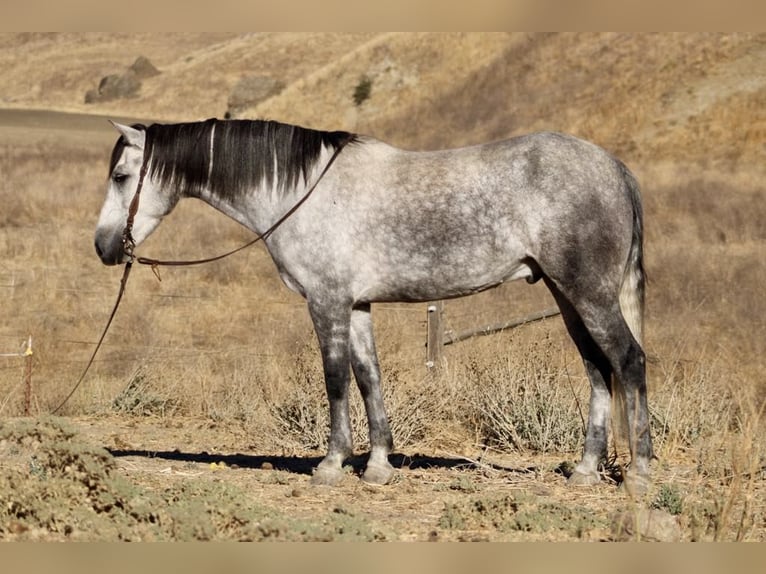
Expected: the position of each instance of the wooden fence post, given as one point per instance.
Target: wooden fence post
(435, 335)
(28, 377)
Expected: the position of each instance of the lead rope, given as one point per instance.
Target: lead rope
(129, 245)
(123, 282)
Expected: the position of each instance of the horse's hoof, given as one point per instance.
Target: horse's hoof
(636, 485)
(378, 474)
(578, 478)
(327, 476)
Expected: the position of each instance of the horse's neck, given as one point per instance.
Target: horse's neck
(259, 208)
(263, 205)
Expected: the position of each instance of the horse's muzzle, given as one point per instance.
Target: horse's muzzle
(110, 250)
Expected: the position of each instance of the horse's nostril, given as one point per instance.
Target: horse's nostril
(108, 252)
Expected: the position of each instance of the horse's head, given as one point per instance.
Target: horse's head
(124, 170)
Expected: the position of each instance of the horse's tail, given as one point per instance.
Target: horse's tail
(634, 278)
(631, 298)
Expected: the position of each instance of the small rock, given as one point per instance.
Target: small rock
(646, 524)
(113, 87)
(16, 527)
(251, 90)
(266, 465)
(143, 68)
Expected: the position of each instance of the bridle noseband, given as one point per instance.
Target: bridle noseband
(128, 243)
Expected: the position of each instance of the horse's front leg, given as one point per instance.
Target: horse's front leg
(332, 325)
(364, 362)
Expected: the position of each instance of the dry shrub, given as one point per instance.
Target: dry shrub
(299, 406)
(146, 395)
(525, 401)
(730, 471)
(690, 405)
(708, 412)
(300, 409)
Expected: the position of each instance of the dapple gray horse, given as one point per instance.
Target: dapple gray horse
(384, 224)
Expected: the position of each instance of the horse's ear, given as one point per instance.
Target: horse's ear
(132, 136)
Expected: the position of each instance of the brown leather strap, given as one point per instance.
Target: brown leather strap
(127, 234)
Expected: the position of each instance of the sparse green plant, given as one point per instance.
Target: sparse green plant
(668, 499)
(519, 512)
(363, 90)
(464, 484)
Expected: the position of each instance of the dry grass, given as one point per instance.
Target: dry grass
(524, 399)
(228, 342)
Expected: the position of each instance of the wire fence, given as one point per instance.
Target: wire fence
(25, 354)
(437, 337)
(180, 327)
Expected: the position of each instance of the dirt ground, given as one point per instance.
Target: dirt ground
(112, 478)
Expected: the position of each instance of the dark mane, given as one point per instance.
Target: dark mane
(246, 153)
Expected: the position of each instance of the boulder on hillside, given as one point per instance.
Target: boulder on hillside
(120, 86)
(143, 68)
(114, 87)
(250, 91)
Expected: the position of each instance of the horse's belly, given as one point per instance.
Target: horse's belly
(442, 282)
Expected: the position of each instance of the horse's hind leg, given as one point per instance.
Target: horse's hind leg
(612, 334)
(601, 316)
(332, 326)
(364, 362)
(599, 373)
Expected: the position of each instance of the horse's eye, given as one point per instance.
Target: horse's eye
(119, 177)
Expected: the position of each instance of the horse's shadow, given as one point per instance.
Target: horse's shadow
(306, 464)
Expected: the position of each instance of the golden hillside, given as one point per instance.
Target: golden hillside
(667, 97)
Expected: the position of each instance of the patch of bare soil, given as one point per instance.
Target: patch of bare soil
(160, 479)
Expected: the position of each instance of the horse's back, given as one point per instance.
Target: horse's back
(525, 186)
